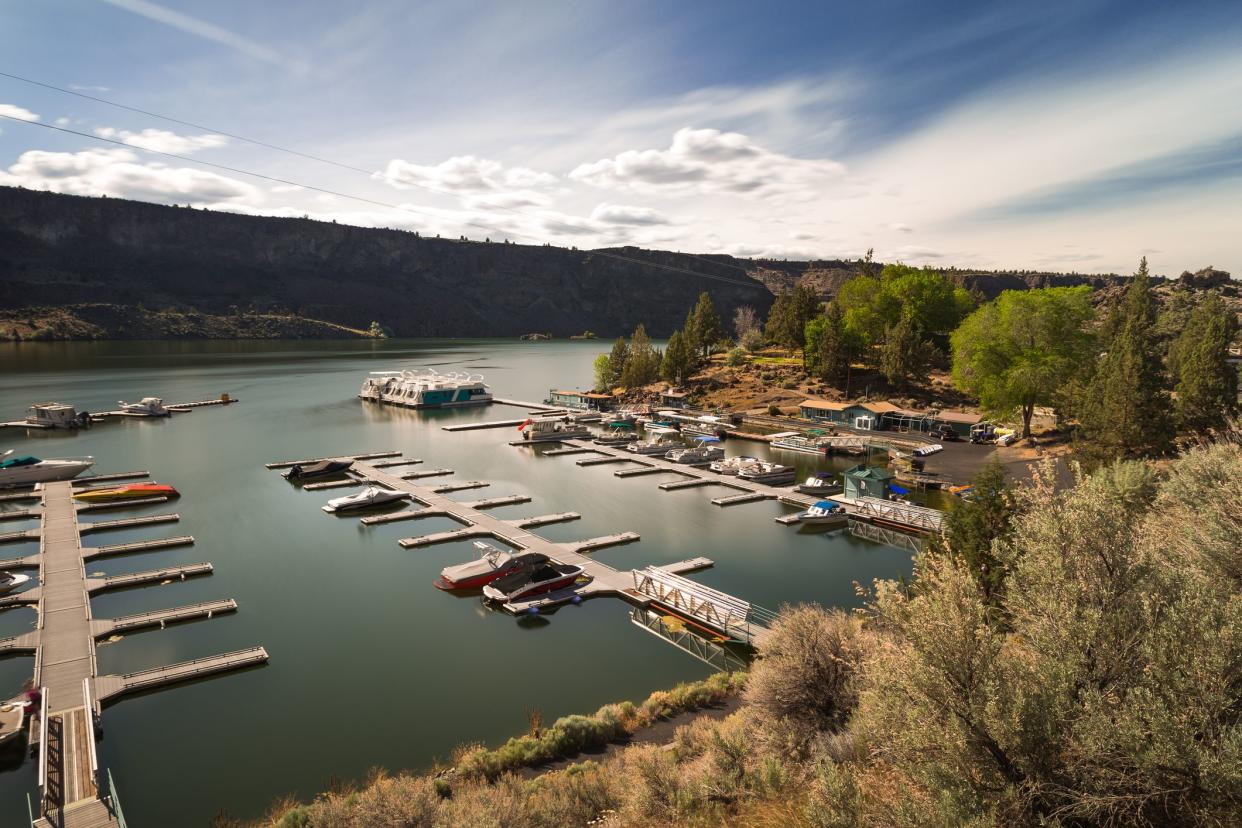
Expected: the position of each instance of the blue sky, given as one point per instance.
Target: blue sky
(1071, 136)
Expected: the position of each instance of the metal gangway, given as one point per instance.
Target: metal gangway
(714, 653)
(895, 513)
(882, 534)
(737, 619)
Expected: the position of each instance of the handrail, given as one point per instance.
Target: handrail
(90, 726)
(115, 800)
(43, 741)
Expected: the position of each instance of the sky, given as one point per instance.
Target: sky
(1069, 136)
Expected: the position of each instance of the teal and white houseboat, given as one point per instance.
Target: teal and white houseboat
(425, 388)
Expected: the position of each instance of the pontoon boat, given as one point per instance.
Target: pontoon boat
(774, 474)
(552, 429)
(732, 465)
(660, 445)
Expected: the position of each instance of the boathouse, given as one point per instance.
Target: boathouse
(672, 398)
(823, 411)
(866, 481)
(580, 399)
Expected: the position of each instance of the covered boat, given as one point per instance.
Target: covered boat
(365, 499)
(23, 469)
(324, 468)
(491, 564)
(521, 586)
(130, 491)
(10, 581)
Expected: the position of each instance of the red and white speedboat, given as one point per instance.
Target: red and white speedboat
(493, 563)
(526, 584)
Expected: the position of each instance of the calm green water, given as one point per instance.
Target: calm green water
(370, 664)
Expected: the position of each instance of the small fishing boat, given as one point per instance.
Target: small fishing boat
(823, 512)
(10, 581)
(821, 483)
(130, 491)
(521, 586)
(660, 445)
(367, 498)
(491, 564)
(22, 470)
(146, 407)
(773, 474)
(552, 430)
(732, 465)
(324, 468)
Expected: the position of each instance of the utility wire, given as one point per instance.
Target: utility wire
(363, 199)
(298, 153)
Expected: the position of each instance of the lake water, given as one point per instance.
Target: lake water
(370, 664)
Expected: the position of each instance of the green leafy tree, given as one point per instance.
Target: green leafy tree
(1125, 411)
(1016, 353)
(678, 362)
(703, 328)
(789, 316)
(973, 526)
(617, 360)
(929, 301)
(1207, 385)
(603, 373)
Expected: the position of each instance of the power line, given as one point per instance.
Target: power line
(363, 199)
(298, 153)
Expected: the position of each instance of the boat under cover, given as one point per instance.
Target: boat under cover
(491, 564)
(365, 499)
(130, 491)
(146, 407)
(324, 468)
(10, 581)
(520, 586)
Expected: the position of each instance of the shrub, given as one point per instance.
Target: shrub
(774, 411)
(736, 356)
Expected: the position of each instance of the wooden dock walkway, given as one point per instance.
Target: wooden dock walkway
(72, 789)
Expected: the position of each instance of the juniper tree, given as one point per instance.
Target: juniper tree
(1207, 385)
(678, 361)
(617, 359)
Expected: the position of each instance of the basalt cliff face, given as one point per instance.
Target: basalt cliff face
(77, 267)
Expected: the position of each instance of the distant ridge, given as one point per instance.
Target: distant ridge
(62, 251)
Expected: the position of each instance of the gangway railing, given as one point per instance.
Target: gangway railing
(711, 653)
(905, 515)
(882, 534)
(731, 615)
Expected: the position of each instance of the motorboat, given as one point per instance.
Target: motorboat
(660, 445)
(12, 721)
(704, 452)
(732, 465)
(491, 564)
(618, 434)
(129, 491)
(23, 469)
(773, 474)
(365, 499)
(324, 468)
(709, 425)
(146, 407)
(661, 427)
(823, 512)
(821, 483)
(10, 581)
(807, 444)
(521, 586)
(552, 430)
(56, 415)
(425, 388)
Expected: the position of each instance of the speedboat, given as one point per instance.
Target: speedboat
(552, 430)
(324, 468)
(425, 388)
(773, 474)
(365, 499)
(732, 465)
(492, 563)
(660, 445)
(20, 470)
(130, 491)
(10, 581)
(520, 586)
(822, 512)
(147, 407)
(821, 483)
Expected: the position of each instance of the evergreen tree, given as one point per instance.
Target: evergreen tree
(1207, 385)
(643, 364)
(789, 316)
(703, 328)
(829, 345)
(778, 324)
(1125, 413)
(972, 526)
(617, 359)
(678, 362)
(904, 353)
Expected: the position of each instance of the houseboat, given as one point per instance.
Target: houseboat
(425, 388)
(56, 415)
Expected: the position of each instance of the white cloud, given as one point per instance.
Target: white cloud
(118, 172)
(628, 215)
(465, 175)
(20, 113)
(901, 228)
(709, 161)
(161, 140)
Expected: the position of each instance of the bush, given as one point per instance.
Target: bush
(736, 356)
(752, 340)
(774, 411)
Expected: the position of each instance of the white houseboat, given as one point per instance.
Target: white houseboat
(425, 388)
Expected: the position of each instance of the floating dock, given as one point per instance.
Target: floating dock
(104, 416)
(74, 793)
